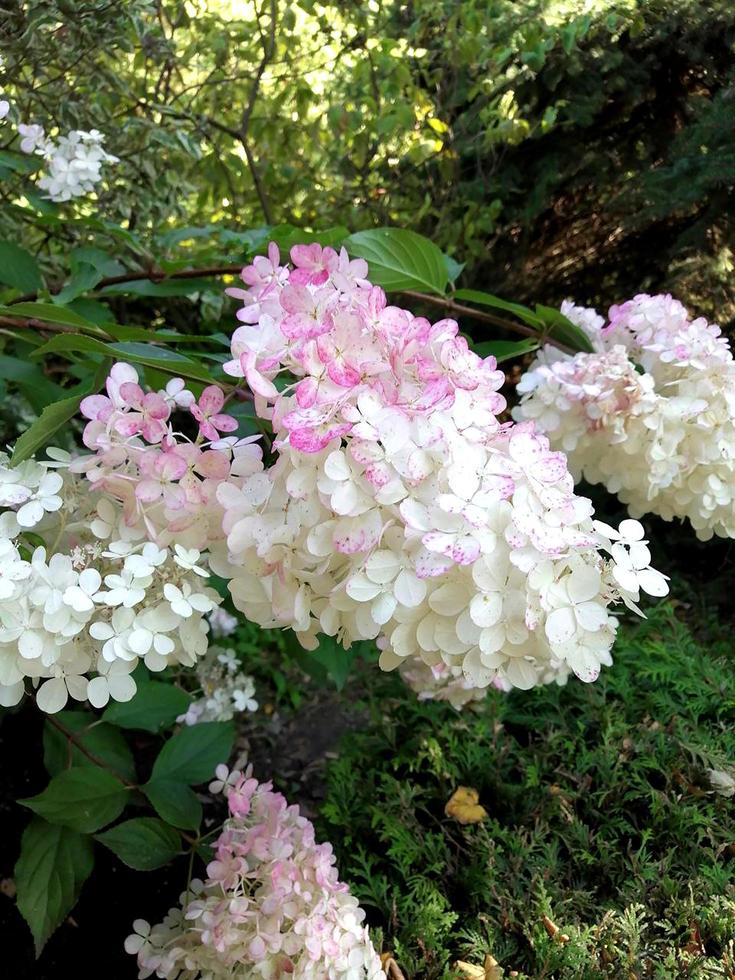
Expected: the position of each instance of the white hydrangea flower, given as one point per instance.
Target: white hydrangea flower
(650, 414)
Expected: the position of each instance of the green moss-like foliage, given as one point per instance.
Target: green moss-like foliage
(601, 816)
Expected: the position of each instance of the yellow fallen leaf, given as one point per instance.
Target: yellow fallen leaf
(470, 971)
(490, 970)
(464, 807)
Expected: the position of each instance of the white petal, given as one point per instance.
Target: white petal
(653, 582)
(52, 696)
(409, 590)
(561, 625)
(98, 692)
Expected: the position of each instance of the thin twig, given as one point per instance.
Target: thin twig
(73, 737)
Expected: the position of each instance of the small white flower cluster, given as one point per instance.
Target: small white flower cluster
(400, 509)
(226, 690)
(272, 905)
(650, 414)
(74, 161)
(79, 598)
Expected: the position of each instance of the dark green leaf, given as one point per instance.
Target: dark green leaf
(103, 741)
(52, 418)
(143, 843)
(136, 353)
(18, 268)
(192, 754)
(155, 706)
(505, 350)
(49, 313)
(175, 802)
(557, 326)
(487, 299)
(168, 287)
(400, 259)
(85, 799)
(85, 277)
(53, 865)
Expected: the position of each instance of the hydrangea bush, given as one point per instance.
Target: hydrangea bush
(386, 496)
(650, 413)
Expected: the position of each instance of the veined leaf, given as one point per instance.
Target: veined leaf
(400, 259)
(53, 865)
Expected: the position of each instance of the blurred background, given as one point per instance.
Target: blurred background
(559, 147)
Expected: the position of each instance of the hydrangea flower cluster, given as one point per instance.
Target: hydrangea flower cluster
(105, 557)
(400, 508)
(226, 690)
(650, 414)
(271, 905)
(74, 162)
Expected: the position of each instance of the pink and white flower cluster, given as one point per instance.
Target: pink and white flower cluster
(650, 414)
(400, 508)
(105, 557)
(271, 905)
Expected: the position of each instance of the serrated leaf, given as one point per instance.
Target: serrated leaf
(84, 799)
(192, 754)
(53, 865)
(18, 268)
(400, 259)
(175, 802)
(155, 706)
(143, 843)
(103, 741)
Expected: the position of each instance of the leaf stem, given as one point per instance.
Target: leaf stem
(72, 736)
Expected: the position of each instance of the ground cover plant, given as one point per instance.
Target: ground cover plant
(315, 633)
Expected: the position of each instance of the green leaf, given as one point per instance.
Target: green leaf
(286, 236)
(52, 418)
(192, 754)
(558, 327)
(336, 661)
(37, 388)
(18, 268)
(175, 802)
(487, 299)
(400, 259)
(53, 865)
(84, 799)
(137, 353)
(21, 163)
(48, 313)
(143, 843)
(155, 706)
(85, 277)
(167, 287)
(103, 741)
(505, 350)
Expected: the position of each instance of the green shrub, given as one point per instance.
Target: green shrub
(601, 816)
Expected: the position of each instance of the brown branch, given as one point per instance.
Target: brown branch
(269, 49)
(453, 307)
(75, 738)
(158, 275)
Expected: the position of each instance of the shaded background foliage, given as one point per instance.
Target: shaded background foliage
(558, 147)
